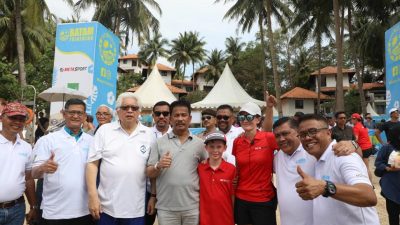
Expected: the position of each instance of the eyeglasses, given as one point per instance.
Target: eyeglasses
(247, 117)
(206, 118)
(219, 117)
(73, 113)
(127, 107)
(312, 132)
(103, 114)
(158, 113)
(18, 118)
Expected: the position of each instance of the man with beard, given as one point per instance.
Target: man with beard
(161, 119)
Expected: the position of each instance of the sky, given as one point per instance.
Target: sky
(178, 16)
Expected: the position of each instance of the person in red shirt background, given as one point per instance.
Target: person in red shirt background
(362, 138)
(255, 196)
(216, 183)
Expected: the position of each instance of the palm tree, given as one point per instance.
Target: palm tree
(196, 51)
(215, 64)
(179, 54)
(249, 11)
(233, 48)
(152, 49)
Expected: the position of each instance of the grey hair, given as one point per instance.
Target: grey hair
(128, 95)
(107, 107)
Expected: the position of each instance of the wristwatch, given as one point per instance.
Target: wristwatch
(355, 144)
(330, 189)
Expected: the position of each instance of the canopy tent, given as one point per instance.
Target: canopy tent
(371, 110)
(154, 90)
(227, 90)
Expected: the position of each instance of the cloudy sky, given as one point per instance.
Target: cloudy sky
(203, 16)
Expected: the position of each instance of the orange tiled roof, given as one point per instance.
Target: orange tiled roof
(332, 70)
(173, 89)
(162, 67)
(331, 89)
(301, 93)
(129, 56)
(369, 86)
(185, 82)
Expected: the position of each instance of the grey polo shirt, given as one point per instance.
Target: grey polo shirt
(178, 186)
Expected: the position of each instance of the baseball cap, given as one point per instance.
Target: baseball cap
(209, 112)
(215, 135)
(15, 109)
(393, 110)
(356, 116)
(251, 108)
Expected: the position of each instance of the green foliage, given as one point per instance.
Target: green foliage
(215, 64)
(352, 102)
(195, 96)
(9, 88)
(126, 81)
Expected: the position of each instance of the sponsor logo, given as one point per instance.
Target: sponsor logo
(73, 69)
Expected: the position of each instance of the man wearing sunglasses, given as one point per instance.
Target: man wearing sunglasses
(208, 118)
(342, 131)
(161, 115)
(341, 184)
(123, 147)
(15, 167)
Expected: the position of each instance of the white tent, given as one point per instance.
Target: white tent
(371, 110)
(227, 91)
(154, 90)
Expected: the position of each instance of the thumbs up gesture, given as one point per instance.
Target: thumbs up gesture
(50, 166)
(309, 187)
(165, 161)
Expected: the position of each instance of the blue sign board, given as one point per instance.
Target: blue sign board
(392, 49)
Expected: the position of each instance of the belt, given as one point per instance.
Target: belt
(9, 204)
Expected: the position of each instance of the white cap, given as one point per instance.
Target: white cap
(393, 110)
(251, 108)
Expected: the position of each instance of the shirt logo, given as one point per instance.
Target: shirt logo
(326, 177)
(24, 154)
(143, 149)
(301, 161)
(225, 180)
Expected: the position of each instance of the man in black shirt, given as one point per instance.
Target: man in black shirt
(390, 127)
(341, 131)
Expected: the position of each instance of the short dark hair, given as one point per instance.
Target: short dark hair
(161, 103)
(89, 118)
(292, 122)
(338, 113)
(299, 114)
(209, 112)
(225, 106)
(316, 117)
(75, 101)
(180, 103)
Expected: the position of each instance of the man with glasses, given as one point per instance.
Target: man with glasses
(124, 147)
(15, 167)
(342, 131)
(161, 119)
(341, 190)
(104, 114)
(209, 122)
(60, 159)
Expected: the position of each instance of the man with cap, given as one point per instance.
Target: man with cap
(389, 127)
(209, 122)
(15, 167)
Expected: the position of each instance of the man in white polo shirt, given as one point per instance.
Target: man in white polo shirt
(15, 167)
(341, 190)
(123, 147)
(60, 158)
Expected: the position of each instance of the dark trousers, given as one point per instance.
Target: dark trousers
(393, 210)
(84, 220)
(149, 219)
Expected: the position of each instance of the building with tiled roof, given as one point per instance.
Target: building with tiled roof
(200, 81)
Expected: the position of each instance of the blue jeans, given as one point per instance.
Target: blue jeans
(14, 215)
(106, 219)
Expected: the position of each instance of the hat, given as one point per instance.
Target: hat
(356, 116)
(393, 110)
(251, 108)
(15, 109)
(209, 112)
(215, 135)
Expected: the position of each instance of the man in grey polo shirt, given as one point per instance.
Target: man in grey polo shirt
(173, 161)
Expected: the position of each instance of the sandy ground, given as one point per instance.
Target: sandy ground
(381, 208)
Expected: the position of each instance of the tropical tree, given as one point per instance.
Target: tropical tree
(233, 49)
(215, 63)
(197, 52)
(179, 54)
(152, 49)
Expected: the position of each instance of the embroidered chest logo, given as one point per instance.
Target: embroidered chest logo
(143, 149)
(326, 177)
(301, 161)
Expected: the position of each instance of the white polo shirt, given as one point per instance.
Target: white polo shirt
(342, 170)
(159, 134)
(14, 161)
(122, 185)
(292, 208)
(233, 133)
(64, 192)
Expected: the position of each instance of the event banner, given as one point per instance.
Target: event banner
(392, 46)
(86, 59)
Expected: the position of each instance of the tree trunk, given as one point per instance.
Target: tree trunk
(356, 65)
(20, 43)
(339, 60)
(264, 73)
(183, 75)
(273, 59)
(288, 66)
(193, 77)
(319, 76)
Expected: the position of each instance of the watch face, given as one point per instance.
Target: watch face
(331, 188)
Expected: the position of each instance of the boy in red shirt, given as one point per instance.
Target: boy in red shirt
(216, 183)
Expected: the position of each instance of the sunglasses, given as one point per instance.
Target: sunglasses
(206, 118)
(158, 113)
(18, 118)
(247, 117)
(127, 107)
(219, 117)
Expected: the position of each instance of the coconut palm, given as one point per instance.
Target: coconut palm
(197, 52)
(152, 49)
(215, 63)
(233, 48)
(179, 54)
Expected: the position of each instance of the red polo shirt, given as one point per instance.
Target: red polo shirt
(254, 162)
(361, 133)
(216, 191)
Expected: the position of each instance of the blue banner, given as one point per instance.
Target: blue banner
(392, 51)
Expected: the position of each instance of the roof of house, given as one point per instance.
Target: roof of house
(331, 89)
(162, 67)
(369, 86)
(301, 93)
(129, 56)
(332, 70)
(180, 82)
(173, 89)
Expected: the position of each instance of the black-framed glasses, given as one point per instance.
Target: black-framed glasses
(103, 114)
(206, 118)
(127, 107)
(159, 113)
(219, 117)
(247, 117)
(17, 118)
(312, 132)
(74, 112)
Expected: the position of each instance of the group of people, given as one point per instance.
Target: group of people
(123, 172)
